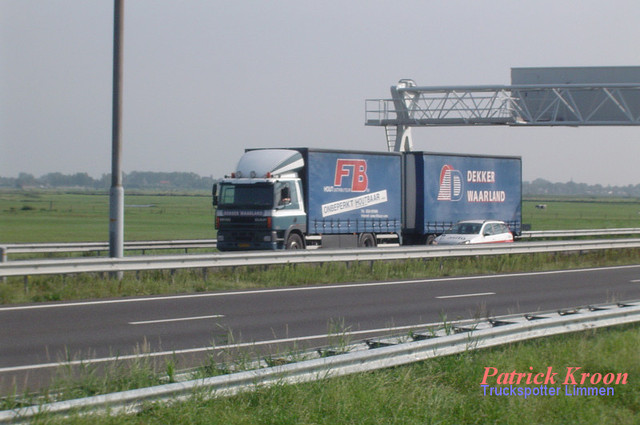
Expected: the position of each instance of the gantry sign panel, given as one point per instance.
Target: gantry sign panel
(536, 97)
(576, 96)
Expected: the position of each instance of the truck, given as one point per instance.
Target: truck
(304, 198)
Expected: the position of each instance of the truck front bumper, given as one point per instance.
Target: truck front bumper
(239, 240)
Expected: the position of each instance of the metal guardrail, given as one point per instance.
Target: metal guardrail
(578, 233)
(495, 332)
(141, 263)
(39, 248)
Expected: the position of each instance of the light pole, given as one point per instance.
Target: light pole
(116, 194)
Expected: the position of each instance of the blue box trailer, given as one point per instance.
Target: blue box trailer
(441, 189)
(353, 193)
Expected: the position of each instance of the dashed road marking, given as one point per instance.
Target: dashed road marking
(479, 294)
(177, 319)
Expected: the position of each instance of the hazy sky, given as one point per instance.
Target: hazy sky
(204, 79)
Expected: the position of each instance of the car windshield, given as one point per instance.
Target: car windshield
(465, 228)
(246, 196)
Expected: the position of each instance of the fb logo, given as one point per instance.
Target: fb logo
(450, 184)
(356, 169)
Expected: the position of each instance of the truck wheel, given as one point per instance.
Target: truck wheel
(367, 240)
(294, 241)
(430, 239)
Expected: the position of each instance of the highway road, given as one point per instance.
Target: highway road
(35, 337)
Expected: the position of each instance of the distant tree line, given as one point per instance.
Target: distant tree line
(181, 180)
(541, 187)
(133, 180)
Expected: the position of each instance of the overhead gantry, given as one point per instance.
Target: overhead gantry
(592, 96)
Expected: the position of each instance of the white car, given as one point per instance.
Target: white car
(475, 231)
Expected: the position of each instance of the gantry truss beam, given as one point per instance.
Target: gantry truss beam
(515, 105)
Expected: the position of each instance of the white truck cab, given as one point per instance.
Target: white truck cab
(261, 205)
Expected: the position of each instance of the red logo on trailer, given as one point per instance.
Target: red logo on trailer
(450, 184)
(356, 170)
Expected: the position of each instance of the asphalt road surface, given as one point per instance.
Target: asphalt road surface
(34, 338)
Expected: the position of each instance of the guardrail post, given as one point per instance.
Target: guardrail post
(3, 259)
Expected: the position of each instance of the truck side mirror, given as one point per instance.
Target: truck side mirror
(214, 194)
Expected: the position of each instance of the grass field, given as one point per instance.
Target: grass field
(39, 216)
(63, 217)
(564, 214)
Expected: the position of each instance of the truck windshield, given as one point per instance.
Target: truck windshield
(246, 196)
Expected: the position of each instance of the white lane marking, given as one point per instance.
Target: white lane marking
(479, 294)
(635, 281)
(209, 348)
(177, 319)
(304, 288)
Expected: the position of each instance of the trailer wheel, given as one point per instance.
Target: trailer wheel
(430, 239)
(294, 241)
(367, 240)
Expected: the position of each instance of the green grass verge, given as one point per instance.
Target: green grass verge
(84, 286)
(444, 390)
